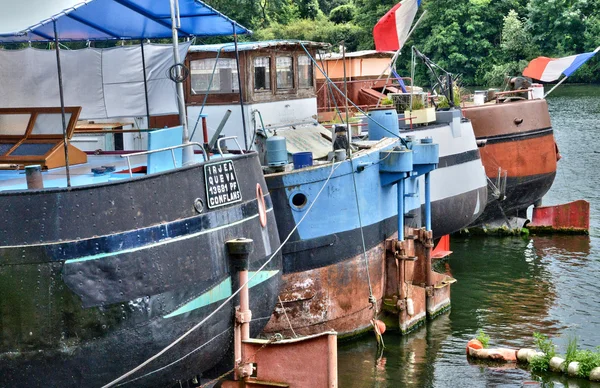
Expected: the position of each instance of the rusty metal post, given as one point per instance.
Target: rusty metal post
(33, 175)
(332, 368)
(428, 243)
(239, 250)
(205, 136)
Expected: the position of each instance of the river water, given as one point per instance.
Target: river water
(509, 287)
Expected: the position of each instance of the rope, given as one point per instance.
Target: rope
(273, 338)
(286, 317)
(176, 361)
(349, 100)
(372, 299)
(172, 344)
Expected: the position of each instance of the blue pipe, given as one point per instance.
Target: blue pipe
(401, 209)
(427, 202)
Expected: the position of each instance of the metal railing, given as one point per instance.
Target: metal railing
(234, 138)
(172, 149)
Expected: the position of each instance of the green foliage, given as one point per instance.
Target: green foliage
(483, 338)
(417, 104)
(308, 9)
(387, 101)
(321, 30)
(342, 14)
(443, 101)
(516, 41)
(545, 345)
(571, 350)
(588, 360)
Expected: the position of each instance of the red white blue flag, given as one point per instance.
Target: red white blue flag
(391, 31)
(549, 69)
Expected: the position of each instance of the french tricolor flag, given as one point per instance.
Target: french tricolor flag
(549, 69)
(391, 31)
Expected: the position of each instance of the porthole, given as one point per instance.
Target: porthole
(298, 200)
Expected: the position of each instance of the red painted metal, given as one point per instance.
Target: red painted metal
(572, 216)
(294, 363)
(442, 249)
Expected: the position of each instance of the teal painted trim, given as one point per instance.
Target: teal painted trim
(162, 242)
(220, 292)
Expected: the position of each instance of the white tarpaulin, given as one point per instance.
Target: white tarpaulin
(106, 83)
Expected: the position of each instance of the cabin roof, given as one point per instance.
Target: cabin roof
(81, 20)
(250, 46)
(358, 54)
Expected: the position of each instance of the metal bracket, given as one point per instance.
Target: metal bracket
(242, 316)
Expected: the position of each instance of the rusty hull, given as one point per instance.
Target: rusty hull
(410, 280)
(335, 297)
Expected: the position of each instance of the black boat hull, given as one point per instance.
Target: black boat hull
(97, 279)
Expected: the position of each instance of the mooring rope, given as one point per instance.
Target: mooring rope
(286, 317)
(176, 361)
(372, 299)
(164, 350)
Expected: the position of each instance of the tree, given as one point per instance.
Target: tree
(342, 14)
(308, 9)
(517, 43)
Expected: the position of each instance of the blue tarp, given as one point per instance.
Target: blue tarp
(124, 19)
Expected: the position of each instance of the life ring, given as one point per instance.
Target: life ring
(262, 207)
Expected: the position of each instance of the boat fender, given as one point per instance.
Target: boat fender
(380, 326)
(524, 355)
(474, 344)
(595, 374)
(573, 368)
(558, 155)
(557, 364)
(410, 307)
(499, 354)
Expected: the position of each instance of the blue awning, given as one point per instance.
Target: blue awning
(112, 19)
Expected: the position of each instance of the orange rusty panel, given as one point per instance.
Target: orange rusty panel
(573, 215)
(304, 362)
(330, 298)
(520, 158)
(501, 119)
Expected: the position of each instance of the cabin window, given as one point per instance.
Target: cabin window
(305, 72)
(262, 73)
(285, 73)
(225, 79)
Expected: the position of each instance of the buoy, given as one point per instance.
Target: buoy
(410, 307)
(523, 354)
(573, 368)
(557, 364)
(595, 374)
(380, 326)
(498, 354)
(474, 344)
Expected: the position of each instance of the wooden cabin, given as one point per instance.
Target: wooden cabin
(278, 86)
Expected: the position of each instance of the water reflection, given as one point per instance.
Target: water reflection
(509, 287)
